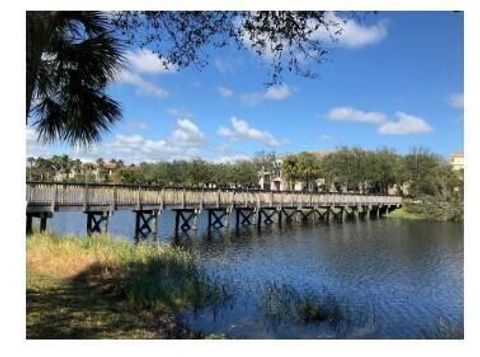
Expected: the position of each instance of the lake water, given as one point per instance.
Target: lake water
(392, 278)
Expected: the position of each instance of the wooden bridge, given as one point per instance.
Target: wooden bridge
(97, 201)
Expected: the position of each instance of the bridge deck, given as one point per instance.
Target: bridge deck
(55, 197)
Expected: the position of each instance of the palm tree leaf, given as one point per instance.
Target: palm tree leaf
(81, 58)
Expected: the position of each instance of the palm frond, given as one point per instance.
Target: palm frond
(80, 60)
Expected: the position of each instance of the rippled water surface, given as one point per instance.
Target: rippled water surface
(392, 278)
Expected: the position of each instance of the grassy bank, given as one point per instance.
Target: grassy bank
(429, 208)
(403, 213)
(100, 287)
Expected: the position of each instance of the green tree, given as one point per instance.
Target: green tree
(60, 164)
(244, 174)
(266, 161)
(419, 164)
(71, 58)
(308, 168)
(289, 169)
(31, 161)
(382, 170)
(128, 175)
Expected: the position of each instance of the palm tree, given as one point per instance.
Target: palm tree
(31, 161)
(77, 166)
(61, 165)
(71, 57)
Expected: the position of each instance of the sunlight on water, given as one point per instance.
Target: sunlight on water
(389, 278)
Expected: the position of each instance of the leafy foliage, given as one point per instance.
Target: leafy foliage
(286, 38)
(68, 75)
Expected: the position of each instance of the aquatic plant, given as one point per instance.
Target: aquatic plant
(282, 302)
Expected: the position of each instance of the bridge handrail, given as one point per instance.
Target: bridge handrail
(180, 188)
(115, 195)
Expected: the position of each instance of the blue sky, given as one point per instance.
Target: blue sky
(395, 80)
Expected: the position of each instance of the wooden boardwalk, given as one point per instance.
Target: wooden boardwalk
(97, 201)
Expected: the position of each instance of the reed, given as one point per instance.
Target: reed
(157, 280)
(282, 302)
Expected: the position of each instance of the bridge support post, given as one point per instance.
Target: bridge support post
(363, 212)
(338, 216)
(322, 217)
(289, 212)
(185, 219)
(97, 221)
(310, 212)
(265, 215)
(43, 216)
(301, 216)
(243, 216)
(43, 222)
(329, 214)
(146, 224)
(29, 223)
(356, 212)
(368, 214)
(347, 213)
(353, 214)
(217, 218)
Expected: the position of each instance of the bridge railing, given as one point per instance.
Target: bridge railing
(77, 195)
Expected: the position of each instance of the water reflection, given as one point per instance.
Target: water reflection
(396, 279)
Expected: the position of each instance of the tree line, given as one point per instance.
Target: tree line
(419, 172)
(191, 173)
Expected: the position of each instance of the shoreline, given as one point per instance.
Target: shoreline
(95, 287)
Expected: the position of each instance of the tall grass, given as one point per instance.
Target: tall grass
(403, 213)
(152, 276)
(282, 302)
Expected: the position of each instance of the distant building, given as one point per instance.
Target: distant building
(275, 182)
(272, 180)
(456, 161)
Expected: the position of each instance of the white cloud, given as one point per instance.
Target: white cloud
(351, 114)
(352, 34)
(145, 61)
(140, 62)
(226, 159)
(142, 86)
(136, 148)
(277, 92)
(34, 148)
(187, 133)
(406, 124)
(128, 141)
(31, 136)
(183, 143)
(225, 91)
(179, 113)
(456, 100)
(241, 130)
